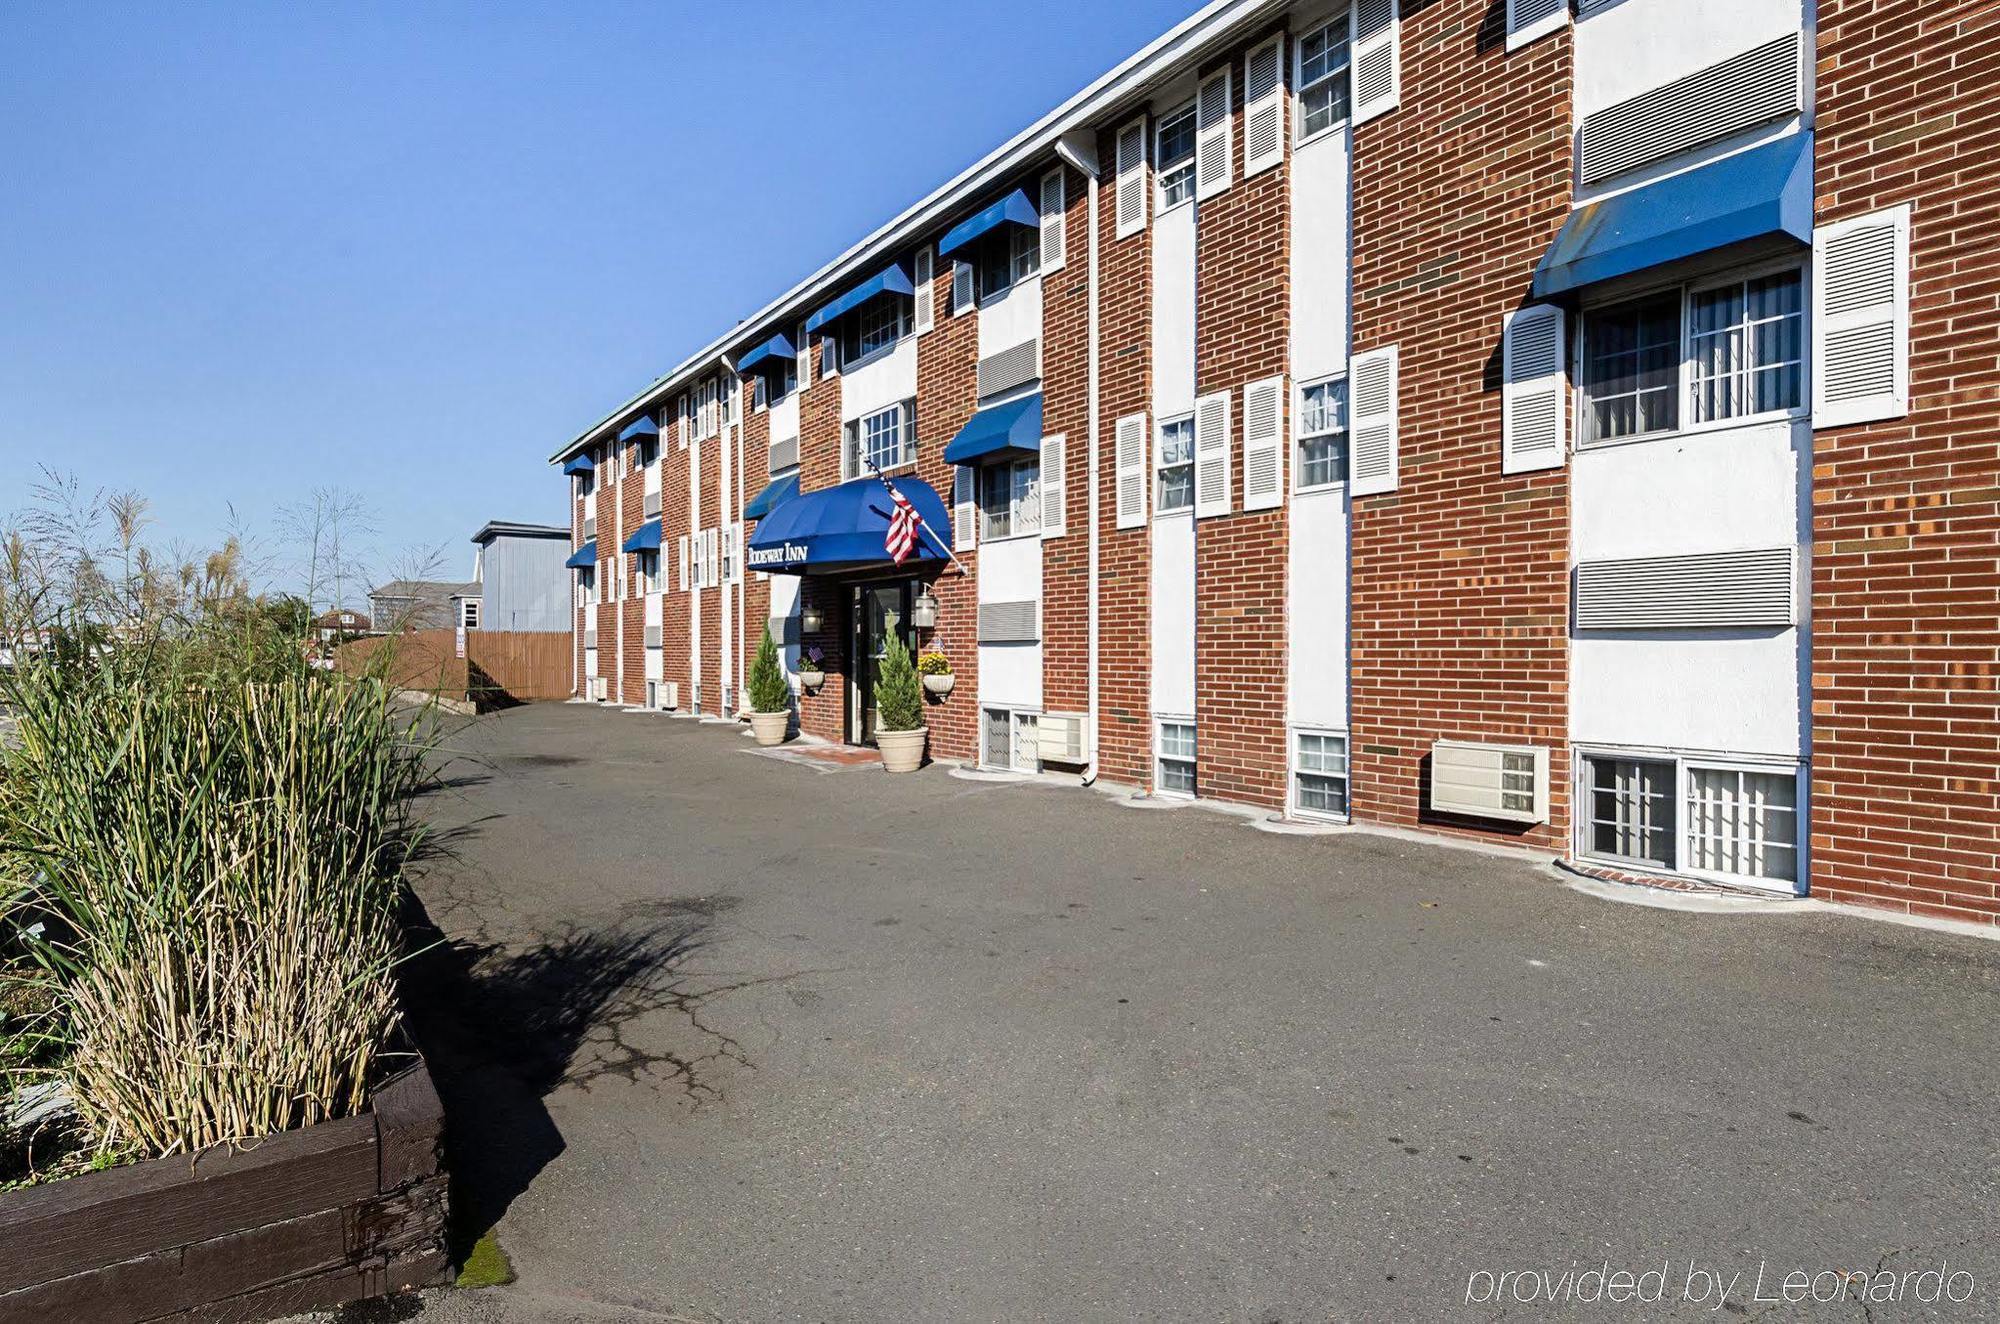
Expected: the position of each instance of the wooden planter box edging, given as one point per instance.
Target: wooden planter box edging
(306, 1220)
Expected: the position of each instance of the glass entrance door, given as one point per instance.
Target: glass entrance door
(878, 610)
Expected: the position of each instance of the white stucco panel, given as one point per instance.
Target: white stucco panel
(1320, 263)
(1173, 313)
(884, 380)
(1316, 611)
(1012, 318)
(1173, 615)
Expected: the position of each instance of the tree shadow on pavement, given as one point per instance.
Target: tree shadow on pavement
(505, 1025)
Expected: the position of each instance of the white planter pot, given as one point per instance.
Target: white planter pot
(812, 680)
(902, 751)
(770, 728)
(940, 685)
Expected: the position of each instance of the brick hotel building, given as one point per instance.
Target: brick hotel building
(1568, 424)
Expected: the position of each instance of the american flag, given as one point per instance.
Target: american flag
(903, 522)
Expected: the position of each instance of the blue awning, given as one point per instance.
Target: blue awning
(890, 280)
(1013, 426)
(645, 538)
(843, 528)
(775, 493)
(584, 557)
(1766, 192)
(1014, 209)
(759, 359)
(579, 464)
(640, 429)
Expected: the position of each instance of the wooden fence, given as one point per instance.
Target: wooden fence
(499, 668)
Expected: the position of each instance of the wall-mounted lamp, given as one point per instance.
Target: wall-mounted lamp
(811, 620)
(923, 611)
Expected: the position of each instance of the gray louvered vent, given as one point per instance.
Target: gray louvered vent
(652, 636)
(1008, 622)
(1010, 368)
(1745, 91)
(784, 455)
(589, 527)
(590, 638)
(1527, 13)
(1708, 590)
(652, 504)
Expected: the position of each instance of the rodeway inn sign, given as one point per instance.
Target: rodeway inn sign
(783, 556)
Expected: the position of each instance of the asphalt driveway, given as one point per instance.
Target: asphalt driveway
(729, 1038)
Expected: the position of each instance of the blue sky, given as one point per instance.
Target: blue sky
(407, 250)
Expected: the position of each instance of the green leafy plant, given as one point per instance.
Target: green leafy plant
(898, 693)
(933, 662)
(770, 692)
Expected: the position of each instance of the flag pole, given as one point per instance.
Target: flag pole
(922, 523)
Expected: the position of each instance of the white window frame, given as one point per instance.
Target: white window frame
(1018, 719)
(1688, 289)
(1024, 513)
(468, 613)
(1162, 721)
(647, 569)
(855, 431)
(1299, 441)
(1182, 171)
(1159, 467)
(1024, 262)
(586, 578)
(1685, 762)
(895, 328)
(1294, 772)
(1342, 75)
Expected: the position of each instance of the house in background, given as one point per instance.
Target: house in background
(338, 624)
(424, 604)
(521, 579)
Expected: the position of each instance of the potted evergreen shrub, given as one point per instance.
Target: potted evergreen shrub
(935, 668)
(899, 704)
(812, 667)
(770, 694)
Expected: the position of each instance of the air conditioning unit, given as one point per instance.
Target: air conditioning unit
(670, 693)
(1063, 738)
(600, 688)
(1508, 782)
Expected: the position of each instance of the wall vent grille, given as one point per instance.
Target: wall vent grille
(1702, 591)
(1755, 88)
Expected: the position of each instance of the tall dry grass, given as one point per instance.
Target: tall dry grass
(210, 835)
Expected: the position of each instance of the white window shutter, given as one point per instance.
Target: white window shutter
(1534, 391)
(1529, 20)
(965, 508)
(1054, 221)
(1376, 67)
(681, 555)
(1861, 319)
(1264, 107)
(926, 306)
(1212, 454)
(1131, 466)
(1264, 444)
(1132, 183)
(1053, 479)
(805, 360)
(1214, 137)
(961, 287)
(1371, 455)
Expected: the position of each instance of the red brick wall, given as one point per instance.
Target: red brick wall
(1125, 386)
(579, 614)
(1066, 411)
(630, 685)
(1906, 512)
(677, 608)
(709, 600)
(947, 395)
(1242, 334)
(823, 712)
(1460, 591)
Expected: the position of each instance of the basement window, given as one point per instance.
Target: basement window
(1720, 819)
(1176, 763)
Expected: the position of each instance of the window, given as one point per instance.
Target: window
(1631, 811)
(1323, 82)
(1743, 823)
(1631, 368)
(649, 451)
(1319, 775)
(1005, 263)
(775, 382)
(1746, 341)
(1699, 355)
(729, 533)
(885, 439)
(1010, 499)
(1175, 489)
(1173, 156)
(1176, 758)
(1009, 741)
(586, 483)
(587, 577)
(469, 613)
(648, 570)
(1323, 433)
(879, 324)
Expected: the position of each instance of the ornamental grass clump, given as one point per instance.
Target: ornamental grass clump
(206, 846)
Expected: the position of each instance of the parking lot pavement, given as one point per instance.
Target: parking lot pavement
(723, 1038)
